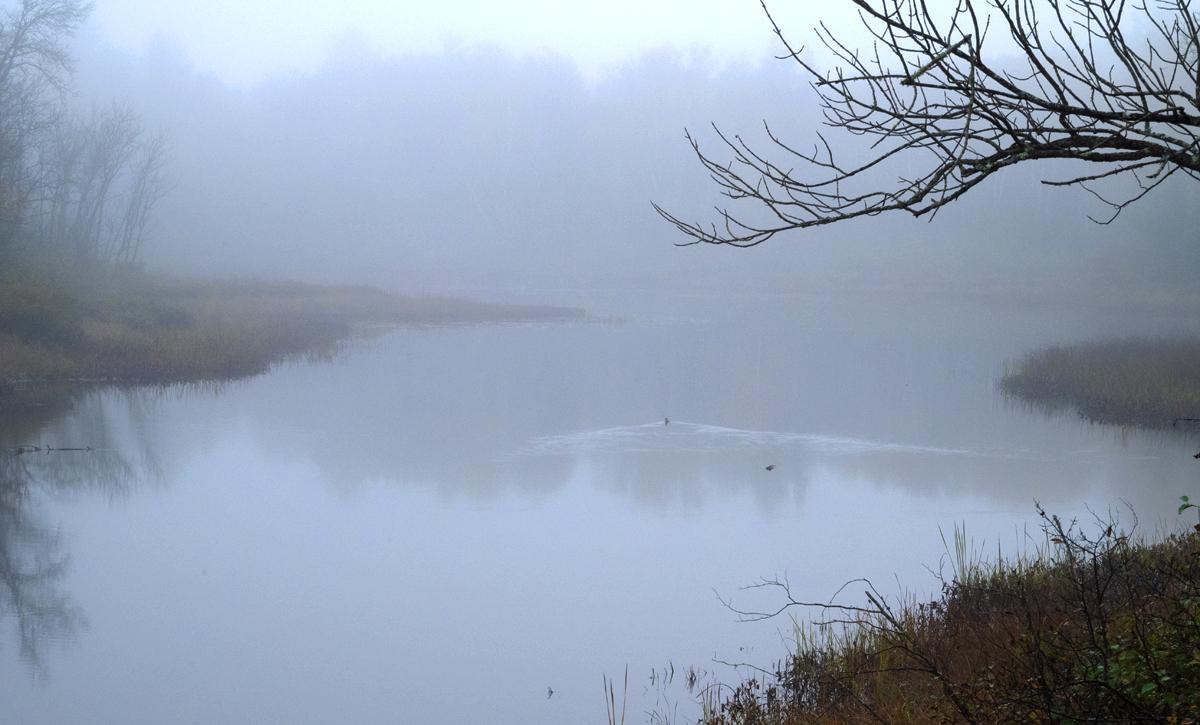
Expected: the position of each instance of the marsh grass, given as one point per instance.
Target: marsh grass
(132, 327)
(1096, 625)
(615, 716)
(1136, 382)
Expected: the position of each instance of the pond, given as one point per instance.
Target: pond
(478, 523)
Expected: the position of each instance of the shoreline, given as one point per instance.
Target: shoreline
(148, 330)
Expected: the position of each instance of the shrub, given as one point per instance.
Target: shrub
(1097, 627)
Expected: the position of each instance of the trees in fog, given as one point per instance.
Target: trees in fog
(34, 66)
(82, 187)
(84, 164)
(1109, 83)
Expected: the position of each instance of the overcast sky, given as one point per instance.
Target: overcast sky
(246, 41)
(483, 169)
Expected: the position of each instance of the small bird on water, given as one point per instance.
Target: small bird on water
(771, 467)
(549, 692)
(666, 421)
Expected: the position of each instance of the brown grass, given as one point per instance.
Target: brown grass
(18, 358)
(141, 328)
(1095, 628)
(1147, 382)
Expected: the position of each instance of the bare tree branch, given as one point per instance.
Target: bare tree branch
(1090, 82)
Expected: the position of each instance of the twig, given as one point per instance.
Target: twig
(22, 450)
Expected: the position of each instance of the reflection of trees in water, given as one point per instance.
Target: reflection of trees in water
(33, 560)
(695, 471)
(32, 566)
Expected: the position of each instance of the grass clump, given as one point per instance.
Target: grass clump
(1138, 382)
(1094, 628)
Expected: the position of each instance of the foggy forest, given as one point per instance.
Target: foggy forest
(711, 362)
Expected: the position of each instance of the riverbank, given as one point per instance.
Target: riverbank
(1140, 382)
(139, 328)
(1096, 626)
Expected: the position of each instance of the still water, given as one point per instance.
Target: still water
(445, 524)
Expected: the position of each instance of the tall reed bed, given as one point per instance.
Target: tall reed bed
(1142, 382)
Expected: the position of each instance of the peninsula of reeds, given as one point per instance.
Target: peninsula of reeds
(132, 327)
(1137, 382)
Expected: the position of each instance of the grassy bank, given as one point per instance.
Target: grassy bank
(1146, 383)
(1097, 627)
(139, 328)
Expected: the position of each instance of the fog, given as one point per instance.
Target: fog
(481, 170)
(290, 503)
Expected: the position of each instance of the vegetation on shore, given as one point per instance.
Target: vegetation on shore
(77, 200)
(1137, 382)
(1094, 627)
(139, 328)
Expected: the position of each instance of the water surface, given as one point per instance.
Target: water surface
(441, 524)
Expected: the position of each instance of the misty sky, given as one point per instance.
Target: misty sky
(453, 147)
(246, 41)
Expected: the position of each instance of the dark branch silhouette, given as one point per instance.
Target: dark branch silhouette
(1111, 83)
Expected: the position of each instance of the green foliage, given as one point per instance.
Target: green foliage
(1187, 504)
(1147, 664)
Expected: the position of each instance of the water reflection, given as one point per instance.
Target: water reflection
(53, 441)
(568, 421)
(487, 413)
(32, 566)
(342, 533)
(687, 465)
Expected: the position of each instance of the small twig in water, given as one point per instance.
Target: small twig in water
(22, 450)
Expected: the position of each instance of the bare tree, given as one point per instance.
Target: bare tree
(110, 142)
(1110, 83)
(146, 186)
(34, 36)
(82, 188)
(35, 64)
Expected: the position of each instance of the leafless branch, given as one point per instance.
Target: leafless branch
(1092, 81)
